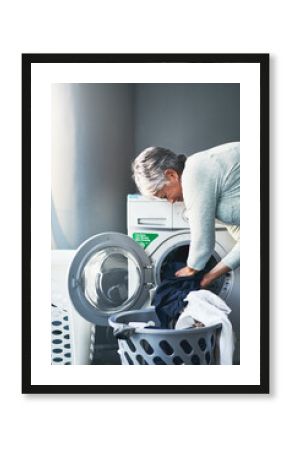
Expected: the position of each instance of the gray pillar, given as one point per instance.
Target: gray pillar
(92, 148)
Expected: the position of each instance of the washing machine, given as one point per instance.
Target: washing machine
(162, 229)
(113, 272)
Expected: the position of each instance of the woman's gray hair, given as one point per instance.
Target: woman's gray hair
(149, 167)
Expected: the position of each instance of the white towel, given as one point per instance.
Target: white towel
(141, 325)
(208, 308)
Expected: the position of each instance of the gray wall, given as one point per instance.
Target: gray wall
(186, 117)
(98, 129)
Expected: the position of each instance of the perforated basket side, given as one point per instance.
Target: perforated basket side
(171, 349)
(61, 339)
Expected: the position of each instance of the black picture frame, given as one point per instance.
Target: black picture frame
(263, 61)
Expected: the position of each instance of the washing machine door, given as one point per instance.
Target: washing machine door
(109, 273)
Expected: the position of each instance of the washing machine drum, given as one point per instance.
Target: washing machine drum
(109, 273)
(177, 258)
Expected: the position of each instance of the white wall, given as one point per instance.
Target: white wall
(122, 422)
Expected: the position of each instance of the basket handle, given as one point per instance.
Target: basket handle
(124, 332)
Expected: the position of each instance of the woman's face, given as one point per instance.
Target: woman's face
(172, 191)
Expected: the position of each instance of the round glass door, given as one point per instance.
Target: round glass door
(108, 275)
(111, 279)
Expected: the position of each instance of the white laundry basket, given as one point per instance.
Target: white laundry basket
(70, 333)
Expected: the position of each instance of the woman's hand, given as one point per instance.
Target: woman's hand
(215, 273)
(207, 280)
(186, 272)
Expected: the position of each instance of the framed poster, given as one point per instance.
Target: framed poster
(97, 253)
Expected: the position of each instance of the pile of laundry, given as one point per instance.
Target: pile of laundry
(180, 303)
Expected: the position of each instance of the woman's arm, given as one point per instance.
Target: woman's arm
(200, 183)
(215, 273)
(201, 187)
(230, 262)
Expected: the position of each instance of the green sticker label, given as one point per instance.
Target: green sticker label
(144, 239)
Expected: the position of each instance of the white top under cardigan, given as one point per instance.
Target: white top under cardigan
(211, 190)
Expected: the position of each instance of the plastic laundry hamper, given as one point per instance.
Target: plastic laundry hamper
(144, 346)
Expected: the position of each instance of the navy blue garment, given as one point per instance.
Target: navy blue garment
(170, 294)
